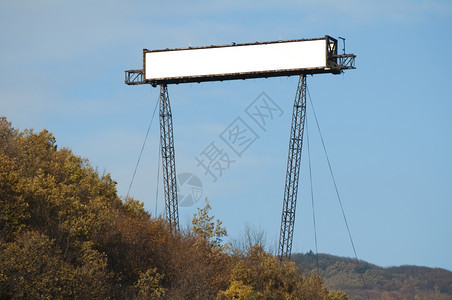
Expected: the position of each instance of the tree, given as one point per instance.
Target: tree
(268, 277)
(237, 290)
(13, 207)
(205, 228)
(149, 285)
(34, 267)
(65, 233)
(92, 278)
(250, 237)
(260, 275)
(199, 265)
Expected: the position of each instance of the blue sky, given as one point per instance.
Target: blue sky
(386, 124)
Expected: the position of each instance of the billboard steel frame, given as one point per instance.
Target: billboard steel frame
(334, 63)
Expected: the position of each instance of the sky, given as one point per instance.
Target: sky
(386, 125)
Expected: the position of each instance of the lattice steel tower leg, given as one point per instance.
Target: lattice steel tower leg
(168, 159)
(293, 171)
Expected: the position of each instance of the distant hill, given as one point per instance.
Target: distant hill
(404, 282)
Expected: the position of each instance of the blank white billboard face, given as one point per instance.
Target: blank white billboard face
(240, 59)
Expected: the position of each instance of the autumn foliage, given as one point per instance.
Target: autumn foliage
(66, 234)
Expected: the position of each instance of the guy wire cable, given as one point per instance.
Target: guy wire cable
(337, 192)
(142, 148)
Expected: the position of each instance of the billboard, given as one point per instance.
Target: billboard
(241, 61)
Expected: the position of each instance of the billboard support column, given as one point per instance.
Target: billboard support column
(168, 160)
(293, 171)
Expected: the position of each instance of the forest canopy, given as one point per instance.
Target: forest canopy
(66, 234)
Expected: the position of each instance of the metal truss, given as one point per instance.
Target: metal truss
(337, 63)
(293, 171)
(346, 61)
(134, 77)
(168, 160)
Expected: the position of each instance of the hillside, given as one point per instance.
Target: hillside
(404, 282)
(66, 234)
